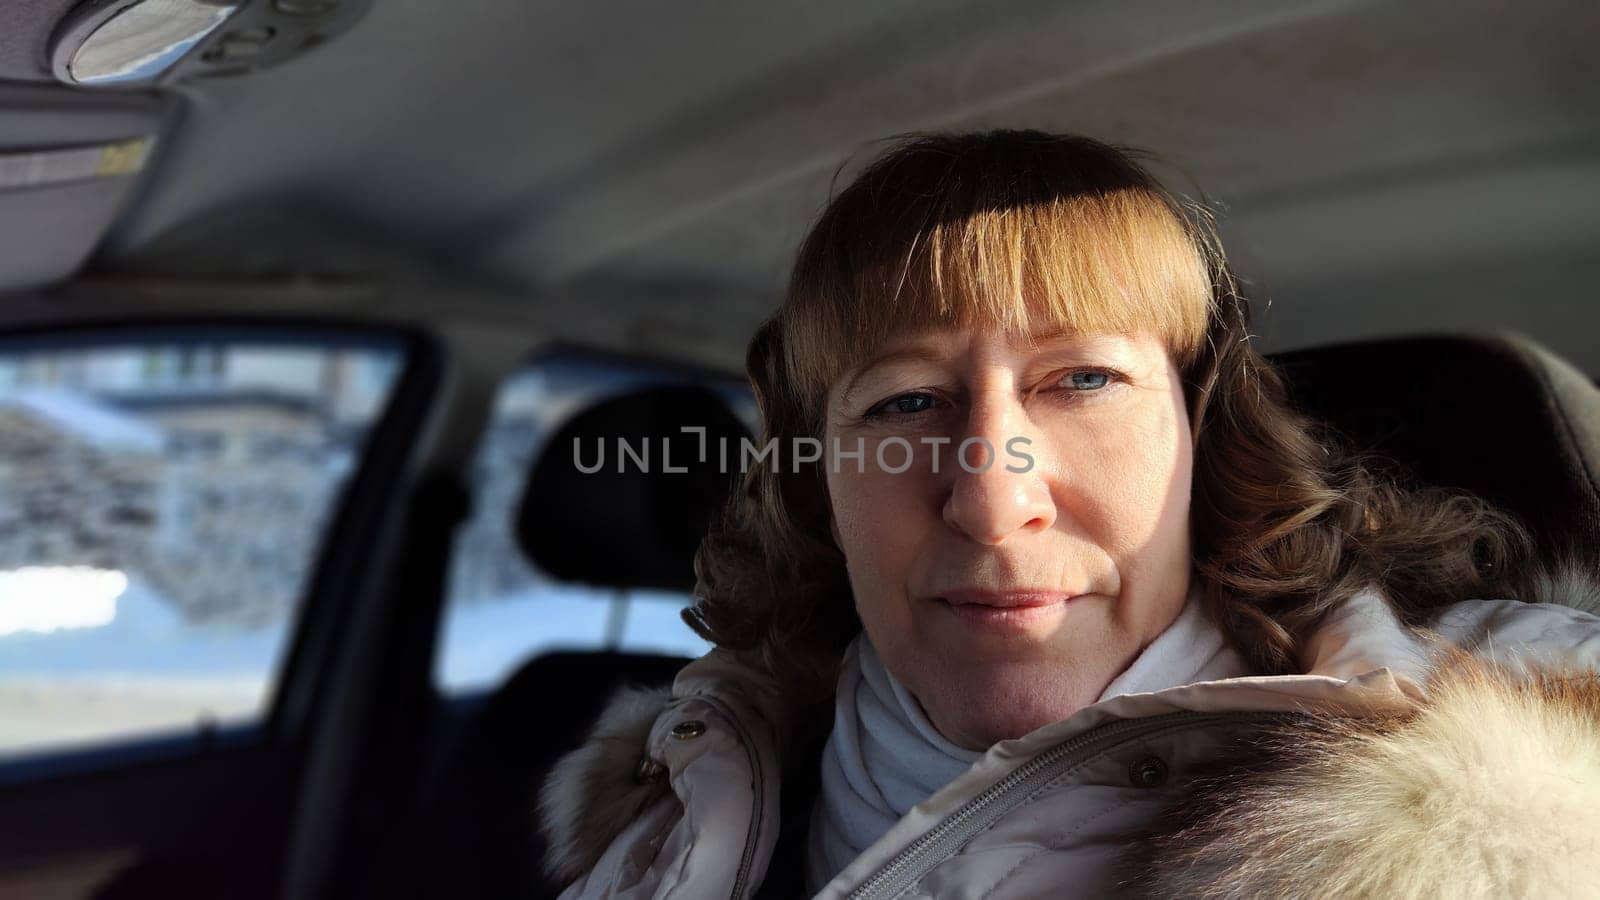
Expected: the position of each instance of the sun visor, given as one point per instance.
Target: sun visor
(68, 164)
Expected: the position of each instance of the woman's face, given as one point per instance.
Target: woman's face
(1007, 596)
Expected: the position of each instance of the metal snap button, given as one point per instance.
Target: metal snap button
(649, 771)
(689, 729)
(1148, 772)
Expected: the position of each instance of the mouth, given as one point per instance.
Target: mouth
(1012, 610)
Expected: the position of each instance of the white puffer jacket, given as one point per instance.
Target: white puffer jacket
(1397, 765)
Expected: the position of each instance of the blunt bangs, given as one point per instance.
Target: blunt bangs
(1032, 235)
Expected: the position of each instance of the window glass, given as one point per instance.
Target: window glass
(501, 610)
(161, 506)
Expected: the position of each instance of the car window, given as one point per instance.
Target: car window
(501, 611)
(162, 502)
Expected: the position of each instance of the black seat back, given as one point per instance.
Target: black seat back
(1498, 415)
(493, 846)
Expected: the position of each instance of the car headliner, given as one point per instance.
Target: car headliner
(1384, 167)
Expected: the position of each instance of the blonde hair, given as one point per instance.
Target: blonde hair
(1026, 232)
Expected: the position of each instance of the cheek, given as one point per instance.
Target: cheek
(874, 512)
(1157, 469)
(1159, 477)
(1127, 478)
(882, 522)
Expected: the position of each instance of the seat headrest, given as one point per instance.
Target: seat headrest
(1498, 415)
(636, 521)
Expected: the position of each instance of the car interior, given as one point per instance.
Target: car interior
(304, 302)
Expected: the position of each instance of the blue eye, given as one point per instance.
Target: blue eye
(1088, 381)
(904, 405)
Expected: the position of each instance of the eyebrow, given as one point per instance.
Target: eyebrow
(914, 352)
(1038, 341)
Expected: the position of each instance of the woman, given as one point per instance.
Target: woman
(1074, 603)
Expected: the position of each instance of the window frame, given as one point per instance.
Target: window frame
(335, 569)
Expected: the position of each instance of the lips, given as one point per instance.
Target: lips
(1012, 611)
(1025, 598)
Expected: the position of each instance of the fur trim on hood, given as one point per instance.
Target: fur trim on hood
(1490, 789)
(1570, 581)
(591, 793)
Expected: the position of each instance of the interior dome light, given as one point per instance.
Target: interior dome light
(132, 40)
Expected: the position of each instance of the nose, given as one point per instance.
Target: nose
(989, 503)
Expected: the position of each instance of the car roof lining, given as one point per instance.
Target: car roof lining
(656, 166)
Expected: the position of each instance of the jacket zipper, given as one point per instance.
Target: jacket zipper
(747, 860)
(944, 839)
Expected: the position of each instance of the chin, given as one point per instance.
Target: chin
(1003, 709)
